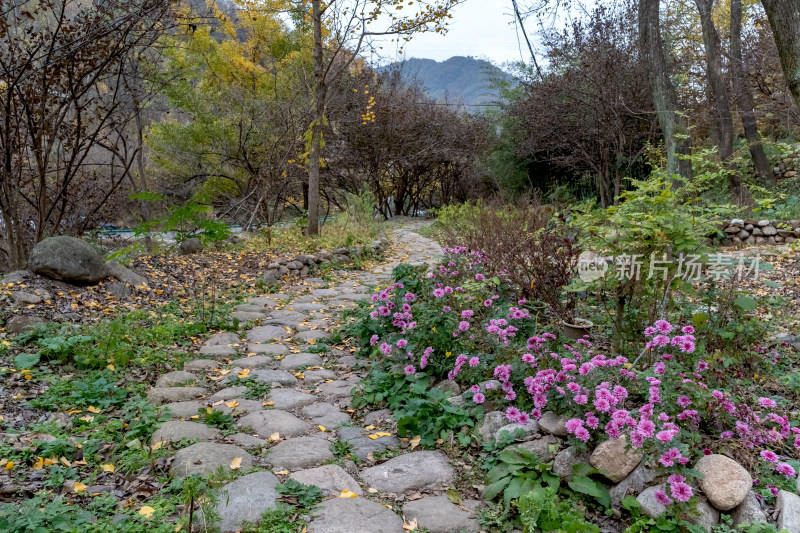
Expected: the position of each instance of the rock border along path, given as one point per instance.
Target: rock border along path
(307, 408)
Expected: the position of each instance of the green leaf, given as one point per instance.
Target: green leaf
(26, 360)
(496, 488)
(513, 491)
(584, 469)
(454, 496)
(631, 504)
(514, 456)
(773, 284)
(587, 485)
(747, 303)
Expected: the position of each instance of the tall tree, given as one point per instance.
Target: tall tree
(240, 84)
(344, 29)
(716, 79)
(718, 87)
(61, 99)
(742, 94)
(665, 98)
(784, 17)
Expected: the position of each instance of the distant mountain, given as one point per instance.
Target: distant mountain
(459, 79)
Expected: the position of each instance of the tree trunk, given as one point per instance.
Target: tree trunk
(665, 99)
(719, 92)
(743, 96)
(320, 93)
(716, 80)
(784, 17)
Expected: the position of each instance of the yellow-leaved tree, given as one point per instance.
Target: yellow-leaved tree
(237, 83)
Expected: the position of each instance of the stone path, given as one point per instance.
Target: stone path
(289, 430)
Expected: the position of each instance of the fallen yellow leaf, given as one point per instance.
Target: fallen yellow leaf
(281, 473)
(348, 494)
(111, 367)
(236, 463)
(93, 409)
(110, 467)
(369, 427)
(415, 442)
(146, 511)
(275, 436)
(9, 465)
(411, 525)
(322, 428)
(232, 404)
(87, 418)
(78, 487)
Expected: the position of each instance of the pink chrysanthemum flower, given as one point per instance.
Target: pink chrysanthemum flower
(786, 470)
(681, 492)
(662, 498)
(768, 403)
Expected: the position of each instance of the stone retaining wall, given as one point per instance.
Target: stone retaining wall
(749, 231)
(301, 265)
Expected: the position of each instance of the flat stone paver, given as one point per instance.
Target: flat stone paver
(332, 479)
(257, 361)
(266, 423)
(267, 334)
(205, 457)
(276, 349)
(224, 338)
(175, 431)
(412, 471)
(201, 365)
(325, 414)
(363, 445)
(312, 377)
(300, 452)
(218, 350)
(228, 393)
(161, 395)
(279, 377)
(179, 378)
(183, 409)
(290, 399)
(297, 361)
(354, 515)
(240, 406)
(246, 499)
(438, 514)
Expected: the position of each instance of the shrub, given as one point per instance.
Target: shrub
(531, 246)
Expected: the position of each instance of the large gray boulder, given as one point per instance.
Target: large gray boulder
(67, 259)
(124, 274)
(190, 246)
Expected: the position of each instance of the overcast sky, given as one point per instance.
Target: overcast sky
(479, 28)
